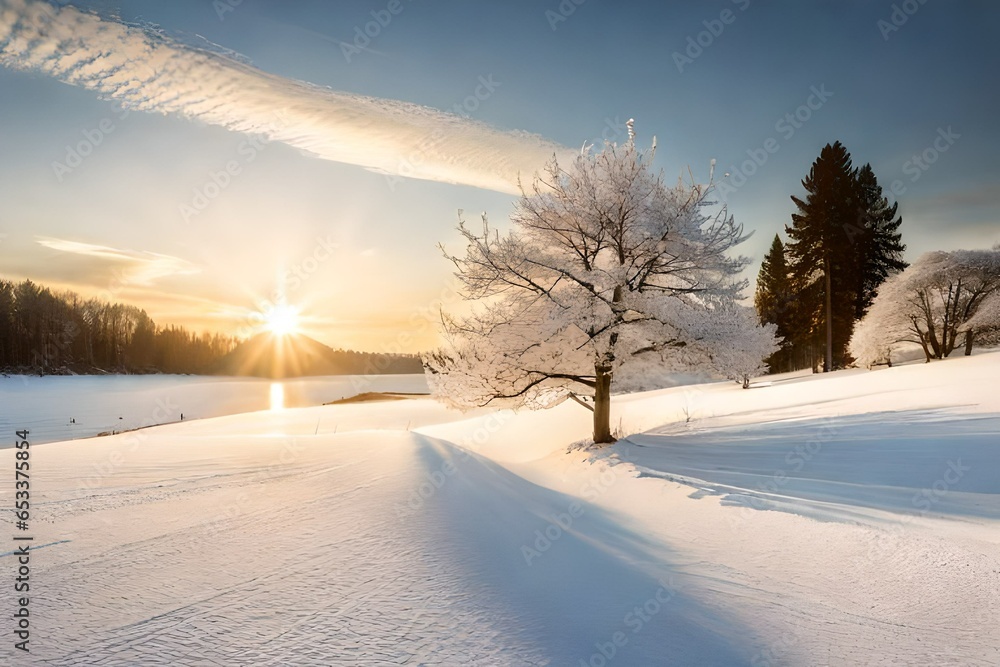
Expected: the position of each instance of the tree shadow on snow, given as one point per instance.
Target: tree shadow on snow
(914, 463)
(564, 575)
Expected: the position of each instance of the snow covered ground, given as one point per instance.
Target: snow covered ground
(851, 519)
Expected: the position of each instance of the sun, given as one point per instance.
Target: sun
(282, 320)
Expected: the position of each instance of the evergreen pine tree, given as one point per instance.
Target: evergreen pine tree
(878, 246)
(819, 247)
(774, 301)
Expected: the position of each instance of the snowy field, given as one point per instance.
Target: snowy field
(57, 407)
(850, 519)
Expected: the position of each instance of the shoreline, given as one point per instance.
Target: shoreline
(364, 397)
(21, 374)
(378, 397)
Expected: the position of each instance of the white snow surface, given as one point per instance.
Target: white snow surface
(848, 519)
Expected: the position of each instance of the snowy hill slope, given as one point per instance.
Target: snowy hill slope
(402, 533)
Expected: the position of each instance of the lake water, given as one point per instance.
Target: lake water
(56, 408)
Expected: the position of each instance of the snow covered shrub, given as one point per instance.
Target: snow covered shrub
(942, 298)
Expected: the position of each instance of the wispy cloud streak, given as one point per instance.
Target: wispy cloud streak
(147, 71)
(141, 268)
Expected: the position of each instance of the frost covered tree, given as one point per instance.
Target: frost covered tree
(939, 300)
(605, 274)
(984, 326)
(739, 345)
(881, 331)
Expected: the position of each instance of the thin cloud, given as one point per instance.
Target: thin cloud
(148, 71)
(985, 196)
(328, 38)
(141, 268)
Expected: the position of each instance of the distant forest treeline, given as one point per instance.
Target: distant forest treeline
(50, 332)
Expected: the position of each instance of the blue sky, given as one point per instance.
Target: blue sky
(356, 247)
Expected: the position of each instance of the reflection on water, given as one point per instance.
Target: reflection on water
(277, 396)
(64, 407)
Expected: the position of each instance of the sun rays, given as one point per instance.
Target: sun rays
(283, 320)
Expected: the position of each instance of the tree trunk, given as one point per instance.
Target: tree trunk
(950, 340)
(968, 342)
(933, 340)
(602, 406)
(828, 361)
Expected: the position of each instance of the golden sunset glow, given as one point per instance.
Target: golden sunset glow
(277, 401)
(282, 320)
